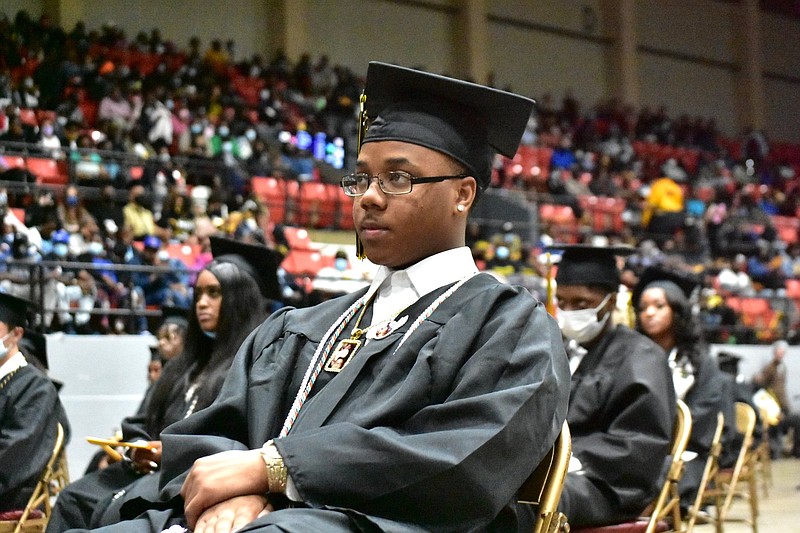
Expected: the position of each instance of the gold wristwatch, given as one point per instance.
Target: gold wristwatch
(276, 470)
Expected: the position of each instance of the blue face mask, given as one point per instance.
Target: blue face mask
(502, 252)
(210, 334)
(95, 248)
(47, 247)
(72, 201)
(340, 264)
(60, 249)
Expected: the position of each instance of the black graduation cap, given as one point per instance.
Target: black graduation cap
(34, 346)
(155, 355)
(260, 262)
(584, 264)
(677, 282)
(14, 310)
(461, 119)
(175, 315)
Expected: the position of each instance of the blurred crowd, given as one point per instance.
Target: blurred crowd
(160, 144)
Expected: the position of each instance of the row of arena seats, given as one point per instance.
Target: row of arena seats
(308, 204)
(602, 215)
(47, 171)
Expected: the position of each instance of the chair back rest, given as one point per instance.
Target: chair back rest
(709, 472)
(668, 501)
(41, 497)
(543, 487)
(745, 426)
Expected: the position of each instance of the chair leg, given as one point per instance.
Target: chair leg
(754, 503)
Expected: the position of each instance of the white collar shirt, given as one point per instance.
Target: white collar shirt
(14, 362)
(398, 289)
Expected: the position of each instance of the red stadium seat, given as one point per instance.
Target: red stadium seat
(19, 212)
(272, 193)
(344, 210)
(297, 238)
(605, 213)
(787, 228)
(316, 205)
(559, 222)
(12, 161)
(186, 253)
(47, 171)
(28, 116)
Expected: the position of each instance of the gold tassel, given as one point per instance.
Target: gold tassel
(362, 130)
(360, 249)
(631, 311)
(549, 303)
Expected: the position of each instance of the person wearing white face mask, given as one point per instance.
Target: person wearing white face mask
(29, 410)
(622, 403)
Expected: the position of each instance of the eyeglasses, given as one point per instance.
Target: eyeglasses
(391, 182)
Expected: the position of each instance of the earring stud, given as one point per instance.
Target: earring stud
(460, 208)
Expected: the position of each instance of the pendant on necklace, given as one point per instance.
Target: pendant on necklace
(387, 328)
(342, 355)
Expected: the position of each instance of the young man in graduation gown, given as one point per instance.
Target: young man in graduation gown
(447, 386)
(622, 403)
(29, 410)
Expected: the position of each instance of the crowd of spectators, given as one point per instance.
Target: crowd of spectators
(161, 143)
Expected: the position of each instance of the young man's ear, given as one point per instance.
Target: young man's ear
(467, 190)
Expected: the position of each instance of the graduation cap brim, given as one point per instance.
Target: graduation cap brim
(14, 310)
(260, 262)
(685, 281)
(461, 119)
(584, 264)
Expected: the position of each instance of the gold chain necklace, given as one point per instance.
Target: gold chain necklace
(8, 377)
(347, 348)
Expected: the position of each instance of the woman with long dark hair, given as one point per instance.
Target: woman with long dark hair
(230, 299)
(664, 313)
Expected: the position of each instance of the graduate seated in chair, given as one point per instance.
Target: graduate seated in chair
(29, 410)
(451, 387)
(622, 403)
(663, 302)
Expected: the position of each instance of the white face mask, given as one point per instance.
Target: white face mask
(583, 324)
(3, 347)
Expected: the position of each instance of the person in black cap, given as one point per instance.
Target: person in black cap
(663, 303)
(231, 298)
(29, 410)
(622, 404)
(419, 403)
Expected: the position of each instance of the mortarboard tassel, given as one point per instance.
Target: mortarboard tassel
(363, 124)
(549, 303)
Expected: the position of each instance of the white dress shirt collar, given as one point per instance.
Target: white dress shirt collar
(406, 286)
(14, 362)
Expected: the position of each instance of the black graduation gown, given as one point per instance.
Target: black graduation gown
(621, 412)
(709, 394)
(80, 500)
(29, 412)
(437, 436)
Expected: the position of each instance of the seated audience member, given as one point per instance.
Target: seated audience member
(772, 378)
(71, 213)
(29, 410)
(664, 313)
(663, 213)
(622, 403)
(137, 215)
(161, 288)
(230, 301)
(449, 373)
